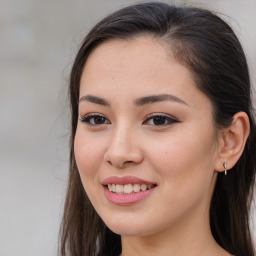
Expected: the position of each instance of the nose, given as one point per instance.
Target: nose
(124, 149)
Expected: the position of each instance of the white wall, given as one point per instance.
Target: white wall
(38, 40)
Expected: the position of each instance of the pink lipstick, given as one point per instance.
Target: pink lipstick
(127, 190)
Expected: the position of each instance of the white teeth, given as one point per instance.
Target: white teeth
(128, 188)
(119, 189)
(136, 187)
(143, 187)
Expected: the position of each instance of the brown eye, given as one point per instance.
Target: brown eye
(94, 120)
(160, 120)
(99, 120)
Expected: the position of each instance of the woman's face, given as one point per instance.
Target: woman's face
(144, 127)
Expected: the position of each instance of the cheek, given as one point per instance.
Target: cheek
(185, 167)
(88, 155)
(185, 159)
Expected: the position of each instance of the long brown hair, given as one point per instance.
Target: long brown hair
(207, 45)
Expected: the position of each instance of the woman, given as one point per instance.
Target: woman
(162, 156)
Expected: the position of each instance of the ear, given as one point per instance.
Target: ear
(232, 141)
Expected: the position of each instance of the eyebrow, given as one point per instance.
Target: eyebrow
(158, 98)
(95, 99)
(138, 102)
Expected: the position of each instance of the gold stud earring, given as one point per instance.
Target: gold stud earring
(225, 167)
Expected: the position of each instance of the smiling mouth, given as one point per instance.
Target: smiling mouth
(128, 188)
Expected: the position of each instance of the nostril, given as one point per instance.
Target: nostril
(109, 162)
(120, 165)
(127, 162)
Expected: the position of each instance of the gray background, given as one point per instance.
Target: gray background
(38, 40)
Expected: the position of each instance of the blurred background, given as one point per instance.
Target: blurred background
(38, 41)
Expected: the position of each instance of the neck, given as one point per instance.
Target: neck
(183, 239)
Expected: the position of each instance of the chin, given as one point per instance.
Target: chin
(127, 231)
(127, 228)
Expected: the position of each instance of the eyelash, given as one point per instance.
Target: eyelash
(171, 120)
(86, 119)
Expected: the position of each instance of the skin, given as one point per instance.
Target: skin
(181, 156)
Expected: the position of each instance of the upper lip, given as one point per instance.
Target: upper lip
(123, 180)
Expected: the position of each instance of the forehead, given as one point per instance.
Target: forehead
(140, 57)
(116, 55)
(140, 46)
(135, 68)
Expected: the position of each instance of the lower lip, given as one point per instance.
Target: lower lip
(127, 199)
